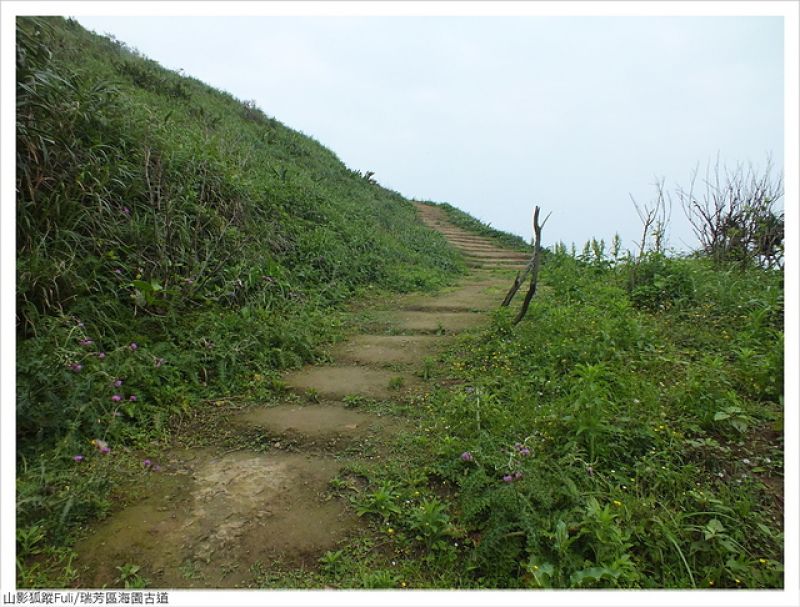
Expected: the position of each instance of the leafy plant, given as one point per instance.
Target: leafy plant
(129, 575)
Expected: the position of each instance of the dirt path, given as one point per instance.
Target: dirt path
(211, 515)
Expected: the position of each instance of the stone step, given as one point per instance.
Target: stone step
(429, 322)
(318, 423)
(504, 255)
(336, 382)
(385, 349)
(471, 241)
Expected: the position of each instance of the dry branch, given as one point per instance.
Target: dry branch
(532, 268)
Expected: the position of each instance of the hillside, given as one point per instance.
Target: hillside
(157, 210)
(214, 349)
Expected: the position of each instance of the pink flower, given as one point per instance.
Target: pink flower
(467, 457)
(76, 367)
(86, 342)
(147, 463)
(116, 398)
(508, 478)
(132, 398)
(134, 346)
(118, 383)
(156, 468)
(78, 458)
(105, 450)
(101, 355)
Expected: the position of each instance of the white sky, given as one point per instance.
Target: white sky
(495, 114)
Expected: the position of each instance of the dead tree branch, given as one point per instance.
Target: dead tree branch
(532, 268)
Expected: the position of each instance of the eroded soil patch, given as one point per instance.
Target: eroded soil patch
(210, 518)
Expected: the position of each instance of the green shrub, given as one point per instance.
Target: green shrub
(658, 282)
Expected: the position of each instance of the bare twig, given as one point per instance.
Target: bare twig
(531, 268)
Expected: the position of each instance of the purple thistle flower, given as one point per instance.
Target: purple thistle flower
(116, 398)
(101, 355)
(156, 468)
(134, 346)
(147, 463)
(525, 451)
(105, 450)
(126, 211)
(76, 367)
(78, 458)
(86, 342)
(132, 398)
(508, 478)
(467, 457)
(118, 383)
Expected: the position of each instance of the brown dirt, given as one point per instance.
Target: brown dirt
(212, 517)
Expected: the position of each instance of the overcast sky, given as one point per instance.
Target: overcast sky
(496, 114)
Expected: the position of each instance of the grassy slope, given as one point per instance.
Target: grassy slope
(176, 239)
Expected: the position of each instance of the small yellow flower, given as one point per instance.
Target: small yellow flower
(762, 561)
(403, 584)
(617, 503)
(390, 531)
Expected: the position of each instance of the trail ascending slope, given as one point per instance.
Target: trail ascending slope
(214, 516)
